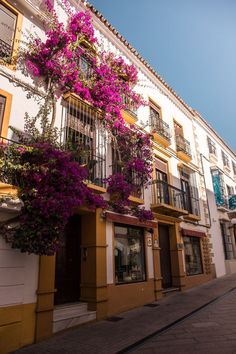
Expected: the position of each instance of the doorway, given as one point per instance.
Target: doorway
(165, 257)
(68, 264)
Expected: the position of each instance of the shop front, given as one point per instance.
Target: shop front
(131, 260)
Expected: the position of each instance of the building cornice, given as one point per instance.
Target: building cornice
(212, 132)
(132, 53)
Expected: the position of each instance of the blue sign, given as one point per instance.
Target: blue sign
(219, 196)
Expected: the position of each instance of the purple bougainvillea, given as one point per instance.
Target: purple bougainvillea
(50, 183)
(51, 187)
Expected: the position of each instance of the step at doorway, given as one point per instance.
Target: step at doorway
(70, 315)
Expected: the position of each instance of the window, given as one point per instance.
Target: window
(225, 159)
(234, 167)
(156, 122)
(85, 67)
(190, 191)
(178, 129)
(155, 115)
(182, 145)
(8, 21)
(129, 254)
(227, 241)
(211, 146)
(230, 190)
(85, 136)
(193, 260)
(5, 110)
(2, 110)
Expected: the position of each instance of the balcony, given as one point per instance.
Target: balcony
(223, 204)
(95, 167)
(129, 114)
(137, 194)
(160, 130)
(183, 148)
(192, 205)
(168, 200)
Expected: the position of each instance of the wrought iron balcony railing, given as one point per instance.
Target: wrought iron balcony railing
(130, 108)
(5, 50)
(133, 179)
(223, 202)
(183, 145)
(84, 134)
(95, 166)
(164, 193)
(160, 127)
(191, 204)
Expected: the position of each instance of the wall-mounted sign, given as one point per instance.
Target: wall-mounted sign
(149, 241)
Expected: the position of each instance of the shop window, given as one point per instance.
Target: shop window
(193, 259)
(129, 254)
(8, 21)
(227, 241)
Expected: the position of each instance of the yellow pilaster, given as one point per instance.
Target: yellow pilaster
(45, 300)
(93, 263)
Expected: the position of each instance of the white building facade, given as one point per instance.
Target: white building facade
(123, 262)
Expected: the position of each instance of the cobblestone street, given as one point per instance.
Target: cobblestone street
(210, 330)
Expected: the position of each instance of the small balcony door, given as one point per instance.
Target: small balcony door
(162, 187)
(185, 186)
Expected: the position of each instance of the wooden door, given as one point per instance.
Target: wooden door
(68, 264)
(165, 257)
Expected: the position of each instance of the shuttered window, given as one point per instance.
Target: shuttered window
(211, 146)
(225, 159)
(7, 31)
(2, 109)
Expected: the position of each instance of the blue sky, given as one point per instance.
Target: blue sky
(192, 45)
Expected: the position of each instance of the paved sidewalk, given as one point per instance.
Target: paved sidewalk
(211, 331)
(112, 337)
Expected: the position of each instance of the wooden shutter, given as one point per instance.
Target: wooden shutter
(7, 24)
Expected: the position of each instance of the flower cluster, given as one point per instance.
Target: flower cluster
(50, 182)
(119, 190)
(143, 214)
(136, 153)
(51, 187)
